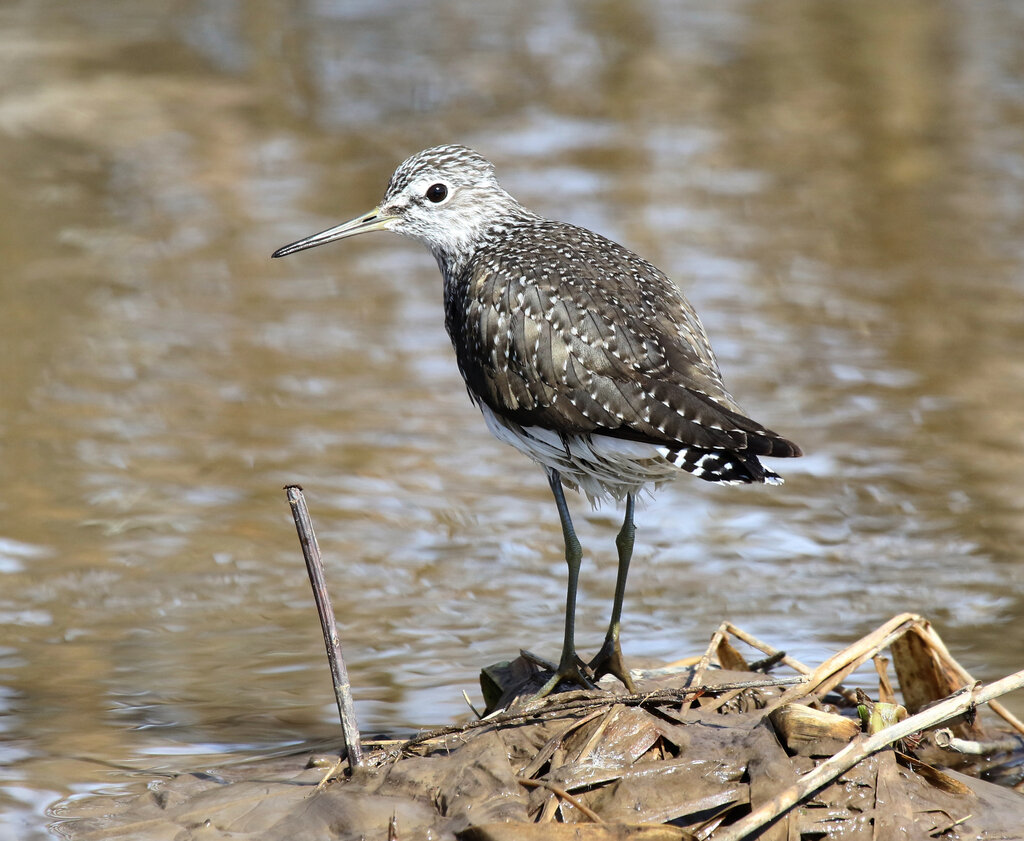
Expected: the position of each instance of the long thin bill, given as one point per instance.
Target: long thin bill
(372, 221)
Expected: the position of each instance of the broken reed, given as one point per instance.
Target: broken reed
(339, 673)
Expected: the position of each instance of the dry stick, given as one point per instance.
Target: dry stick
(709, 652)
(550, 708)
(558, 791)
(947, 741)
(315, 568)
(763, 647)
(831, 673)
(837, 667)
(721, 700)
(863, 747)
(702, 667)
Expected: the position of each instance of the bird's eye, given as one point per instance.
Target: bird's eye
(437, 193)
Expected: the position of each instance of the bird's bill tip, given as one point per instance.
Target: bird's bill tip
(372, 221)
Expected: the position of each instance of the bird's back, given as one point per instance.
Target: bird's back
(558, 328)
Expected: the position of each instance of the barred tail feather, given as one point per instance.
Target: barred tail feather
(726, 466)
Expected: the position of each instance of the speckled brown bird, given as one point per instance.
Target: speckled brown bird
(579, 353)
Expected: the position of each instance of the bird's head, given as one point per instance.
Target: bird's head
(446, 197)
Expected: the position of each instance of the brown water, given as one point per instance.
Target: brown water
(838, 187)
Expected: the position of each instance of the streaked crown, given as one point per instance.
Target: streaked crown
(460, 164)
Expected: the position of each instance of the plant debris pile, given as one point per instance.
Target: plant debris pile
(712, 748)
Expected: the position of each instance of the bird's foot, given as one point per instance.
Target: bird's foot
(608, 661)
(570, 669)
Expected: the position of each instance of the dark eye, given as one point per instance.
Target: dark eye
(437, 193)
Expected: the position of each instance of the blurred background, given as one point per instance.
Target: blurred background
(837, 187)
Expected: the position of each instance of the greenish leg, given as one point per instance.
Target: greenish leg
(569, 663)
(609, 659)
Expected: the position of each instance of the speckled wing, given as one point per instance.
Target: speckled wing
(571, 332)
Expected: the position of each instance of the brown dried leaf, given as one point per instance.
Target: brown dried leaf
(933, 776)
(730, 658)
(629, 735)
(924, 678)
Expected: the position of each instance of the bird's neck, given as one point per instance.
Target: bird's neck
(458, 249)
(480, 219)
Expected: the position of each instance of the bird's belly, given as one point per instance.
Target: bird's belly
(599, 465)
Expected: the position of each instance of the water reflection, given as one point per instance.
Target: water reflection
(836, 187)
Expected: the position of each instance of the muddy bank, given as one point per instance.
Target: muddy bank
(720, 747)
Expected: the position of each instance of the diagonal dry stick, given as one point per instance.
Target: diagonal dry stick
(836, 668)
(861, 748)
(560, 792)
(709, 652)
(764, 648)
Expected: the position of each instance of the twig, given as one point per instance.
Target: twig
(469, 703)
(947, 741)
(721, 700)
(550, 707)
(754, 642)
(705, 660)
(859, 749)
(339, 674)
(560, 792)
(766, 664)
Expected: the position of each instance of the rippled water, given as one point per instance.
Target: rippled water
(837, 187)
